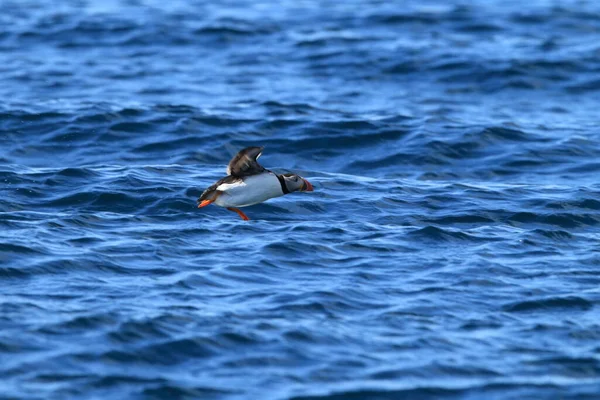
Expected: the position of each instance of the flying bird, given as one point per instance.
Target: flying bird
(248, 183)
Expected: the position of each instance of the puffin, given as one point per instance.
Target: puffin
(248, 183)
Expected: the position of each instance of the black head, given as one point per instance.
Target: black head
(294, 183)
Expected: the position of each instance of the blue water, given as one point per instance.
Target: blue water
(450, 250)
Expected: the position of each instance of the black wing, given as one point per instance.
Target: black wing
(244, 163)
(212, 192)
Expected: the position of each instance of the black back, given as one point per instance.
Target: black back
(243, 164)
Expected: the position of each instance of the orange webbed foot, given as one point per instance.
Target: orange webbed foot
(204, 203)
(240, 213)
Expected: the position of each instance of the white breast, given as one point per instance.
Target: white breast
(252, 190)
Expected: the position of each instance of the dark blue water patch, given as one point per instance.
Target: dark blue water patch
(558, 303)
(561, 220)
(10, 272)
(432, 233)
(463, 219)
(574, 366)
(591, 204)
(173, 391)
(558, 235)
(17, 249)
(493, 391)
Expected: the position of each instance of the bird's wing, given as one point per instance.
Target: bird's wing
(220, 186)
(244, 163)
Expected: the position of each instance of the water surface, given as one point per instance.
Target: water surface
(449, 251)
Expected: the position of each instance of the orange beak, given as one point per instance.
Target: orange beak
(307, 186)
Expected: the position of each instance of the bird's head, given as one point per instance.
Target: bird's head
(296, 183)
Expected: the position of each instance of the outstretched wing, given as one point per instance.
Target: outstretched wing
(244, 163)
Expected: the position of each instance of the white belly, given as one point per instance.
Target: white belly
(253, 190)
